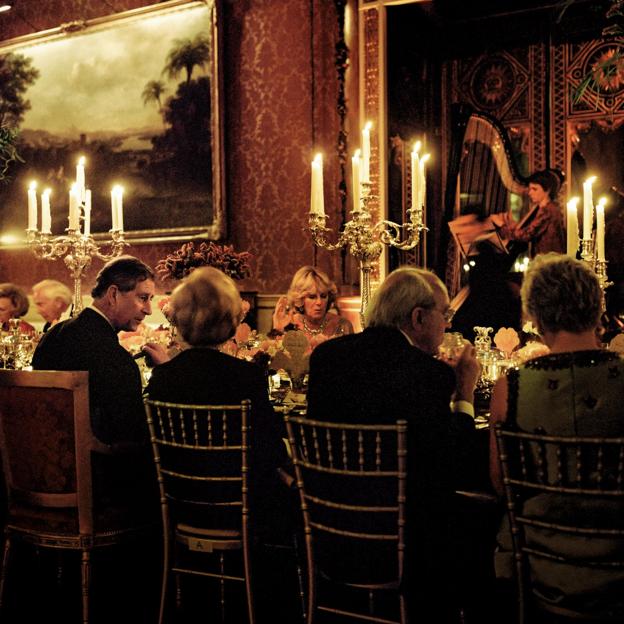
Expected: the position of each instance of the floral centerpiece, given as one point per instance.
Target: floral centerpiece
(189, 257)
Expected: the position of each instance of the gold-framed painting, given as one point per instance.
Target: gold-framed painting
(139, 96)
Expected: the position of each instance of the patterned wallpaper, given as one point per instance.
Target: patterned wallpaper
(280, 106)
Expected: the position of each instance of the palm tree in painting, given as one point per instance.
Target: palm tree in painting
(186, 55)
(153, 92)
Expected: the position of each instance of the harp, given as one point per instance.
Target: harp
(483, 183)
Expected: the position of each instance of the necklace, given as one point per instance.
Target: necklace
(314, 332)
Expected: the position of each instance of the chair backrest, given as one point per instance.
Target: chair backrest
(560, 490)
(352, 484)
(201, 456)
(46, 441)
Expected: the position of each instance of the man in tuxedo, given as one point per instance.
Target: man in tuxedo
(390, 372)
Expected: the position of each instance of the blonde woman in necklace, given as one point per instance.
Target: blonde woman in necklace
(310, 306)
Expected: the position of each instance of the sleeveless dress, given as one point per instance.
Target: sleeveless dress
(576, 394)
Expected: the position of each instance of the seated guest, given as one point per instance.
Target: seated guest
(14, 304)
(307, 307)
(390, 372)
(576, 390)
(206, 309)
(122, 297)
(52, 299)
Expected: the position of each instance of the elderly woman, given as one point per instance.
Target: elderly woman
(575, 390)
(14, 304)
(206, 309)
(307, 306)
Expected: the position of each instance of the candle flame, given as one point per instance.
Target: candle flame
(590, 181)
(602, 201)
(357, 153)
(48, 192)
(425, 158)
(572, 204)
(317, 159)
(82, 160)
(33, 185)
(417, 146)
(368, 125)
(118, 189)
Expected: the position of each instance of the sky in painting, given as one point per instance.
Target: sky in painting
(93, 81)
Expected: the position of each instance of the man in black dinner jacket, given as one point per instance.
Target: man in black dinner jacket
(389, 372)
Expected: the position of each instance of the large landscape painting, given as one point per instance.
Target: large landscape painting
(138, 97)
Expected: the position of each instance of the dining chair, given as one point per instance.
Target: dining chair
(48, 451)
(201, 457)
(352, 485)
(565, 503)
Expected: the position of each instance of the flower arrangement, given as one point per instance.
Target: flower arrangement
(189, 257)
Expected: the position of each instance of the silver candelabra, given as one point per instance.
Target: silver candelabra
(588, 254)
(365, 239)
(78, 250)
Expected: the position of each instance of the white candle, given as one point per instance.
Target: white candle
(74, 208)
(87, 213)
(114, 209)
(588, 208)
(415, 171)
(365, 170)
(32, 206)
(120, 208)
(317, 201)
(80, 179)
(572, 227)
(46, 216)
(600, 229)
(355, 174)
(422, 186)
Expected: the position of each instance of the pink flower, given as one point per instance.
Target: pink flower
(506, 339)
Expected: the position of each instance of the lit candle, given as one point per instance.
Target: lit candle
(114, 209)
(355, 174)
(415, 162)
(80, 179)
(365, 171)
(422, 186)
(87, 213)
(588, 208)
(32, 206)
(46, 217)
(572, 227)
(74, 208)
(120, 208)
(600, 229)
(317, 201)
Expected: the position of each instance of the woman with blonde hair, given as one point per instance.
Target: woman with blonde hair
(307, 306)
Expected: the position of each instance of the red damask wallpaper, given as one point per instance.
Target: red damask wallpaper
(280, 107)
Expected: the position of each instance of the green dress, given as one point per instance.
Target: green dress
(576, 394)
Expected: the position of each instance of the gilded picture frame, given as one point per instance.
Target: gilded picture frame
(139, 95)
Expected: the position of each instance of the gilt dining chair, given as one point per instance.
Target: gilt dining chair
(201, 457)
(352, 485)
(47, 449)
(565, 503)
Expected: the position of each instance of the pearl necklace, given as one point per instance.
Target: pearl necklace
(314, 332)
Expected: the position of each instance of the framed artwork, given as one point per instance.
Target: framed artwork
(138, 95)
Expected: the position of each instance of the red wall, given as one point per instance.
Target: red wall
(280, 107)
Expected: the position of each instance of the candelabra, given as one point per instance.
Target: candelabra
(78, 250)
(598, 265)
(365, 239)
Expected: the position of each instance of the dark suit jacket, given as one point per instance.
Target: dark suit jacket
(89, 342)
(377, 377)
(207, 376)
